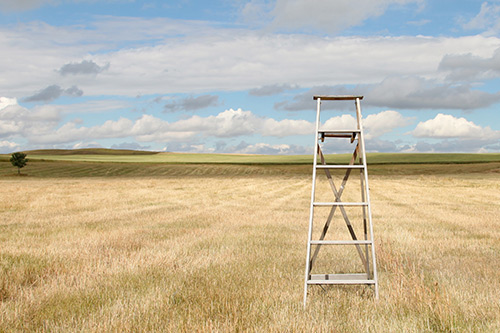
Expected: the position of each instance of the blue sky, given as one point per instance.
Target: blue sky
(238, 76)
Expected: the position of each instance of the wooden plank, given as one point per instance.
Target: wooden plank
(340, 279)
(337, 97)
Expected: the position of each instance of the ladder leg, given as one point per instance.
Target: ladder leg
(365, 226)
(367, 187)
(313, 191)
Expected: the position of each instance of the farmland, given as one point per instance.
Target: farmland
(116, 245)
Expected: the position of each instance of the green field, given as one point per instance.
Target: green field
(119, 163)
(130, 156)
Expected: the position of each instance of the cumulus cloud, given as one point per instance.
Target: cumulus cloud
(41, 125)
(7, 147)
(53, 92)
(343, 122)
(448, 126)
(130, 146)
(329, 16)
(16, 120)
(229, 123)
(374, 125)
(384, 122)
(286, 127)
(266, 148)
(192, 103)
(83, 145)
(86, 67)
(454, 146)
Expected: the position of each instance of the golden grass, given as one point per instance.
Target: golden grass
(227, 253)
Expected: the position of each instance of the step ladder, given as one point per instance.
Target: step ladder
(318, 237)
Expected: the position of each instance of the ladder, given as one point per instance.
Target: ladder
(365, 273)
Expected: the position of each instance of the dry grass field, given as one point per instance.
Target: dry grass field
(225, 251)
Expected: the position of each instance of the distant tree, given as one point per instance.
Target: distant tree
(18, 160)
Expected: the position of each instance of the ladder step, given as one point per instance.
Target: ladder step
(350, 134)
(337, 97)
(339, 166)
(340, 203)
(339, 131)
(341, 242)
(337, 136)
(358, 278)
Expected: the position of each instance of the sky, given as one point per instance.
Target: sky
(238, 76)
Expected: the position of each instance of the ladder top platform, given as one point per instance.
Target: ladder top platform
(337, 97)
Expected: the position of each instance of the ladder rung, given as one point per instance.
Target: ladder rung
(340, 203)
(340, 279)
(339, 166)
(341, 242)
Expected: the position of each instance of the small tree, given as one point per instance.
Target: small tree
(18, 160)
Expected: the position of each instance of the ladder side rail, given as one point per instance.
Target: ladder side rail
(365, 227)
(313, 189)
(363, 152)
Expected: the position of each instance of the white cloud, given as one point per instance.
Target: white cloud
(329, 16)
(374, 125)
(401, 92)
(166, 56)
(40, 125)
(228, 123)
(16, 120)
(5, 102)
(488, 19)
(454, 146)
(8, 147)
(384, 122)
(447, 126)
(266, 148)
(82, 145)
(343, 122)
(286, 127)
(467, 67)
(21, 5)
(191, 103)
(417, 93)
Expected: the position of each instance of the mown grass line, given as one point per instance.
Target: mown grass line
(180, 158)
(69, 169)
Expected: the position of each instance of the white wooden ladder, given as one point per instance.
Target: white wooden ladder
(340, 262)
